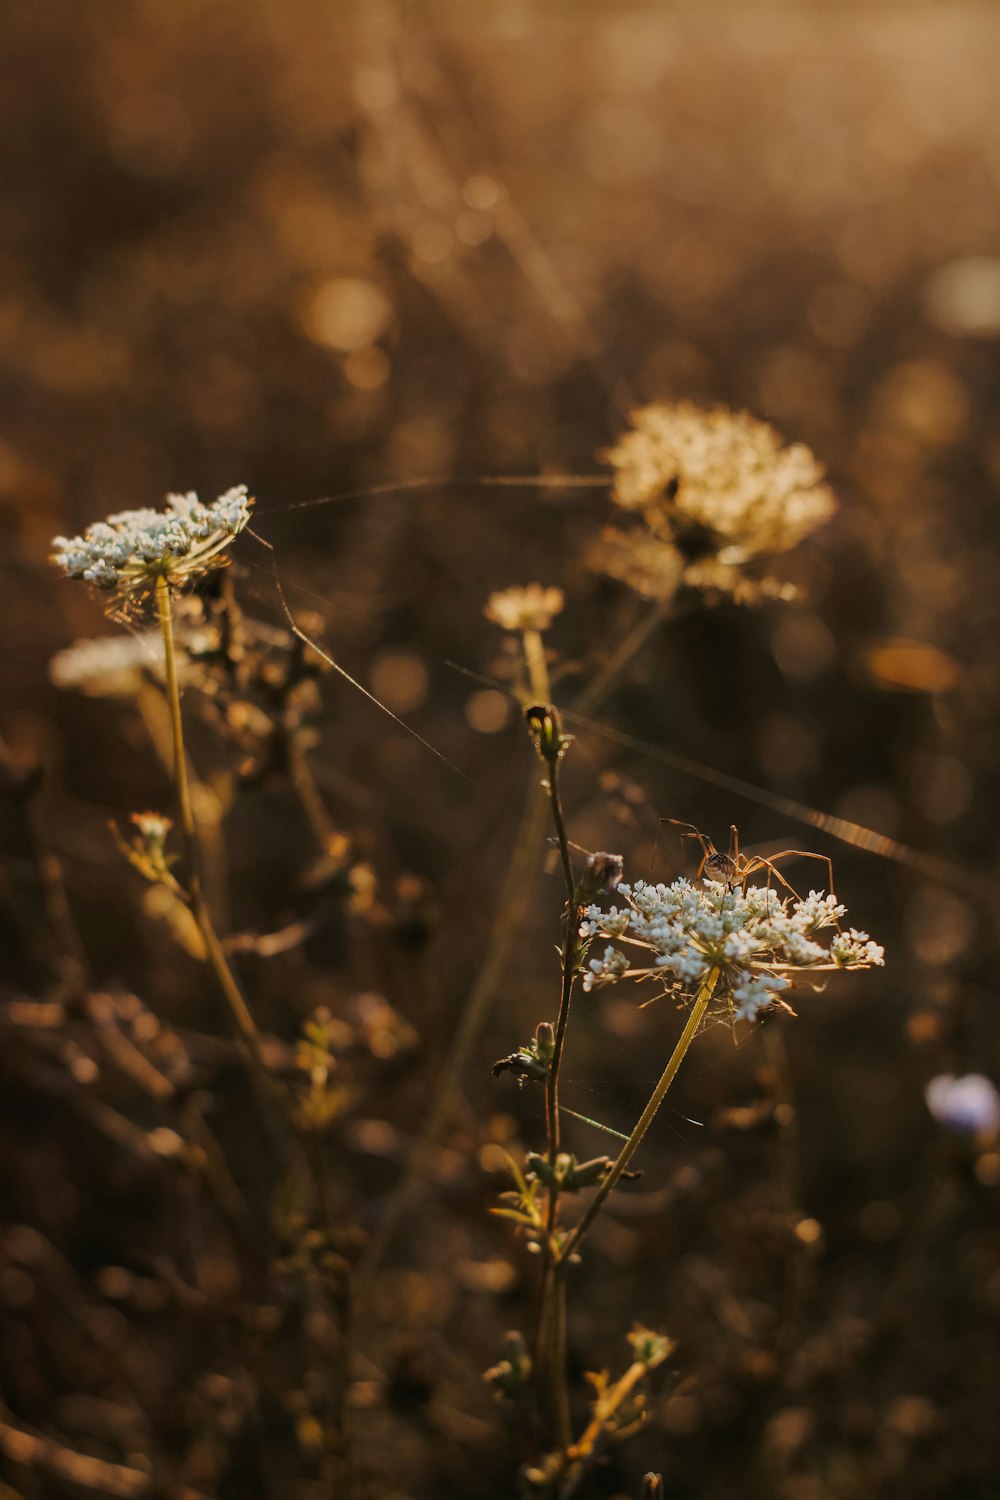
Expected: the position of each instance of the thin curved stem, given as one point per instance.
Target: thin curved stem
(657, 1097)
(239, 1010)
(266, 1086)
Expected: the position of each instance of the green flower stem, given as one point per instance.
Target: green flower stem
(219, 964)
(538, 670)
(550, 1333)
(657, 1097)
(181, 782)
(246, 1027)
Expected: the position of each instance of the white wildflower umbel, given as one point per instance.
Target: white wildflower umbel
(717, 496)
(758, 943)
(130, 551)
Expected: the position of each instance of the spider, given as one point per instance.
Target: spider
(734, 869)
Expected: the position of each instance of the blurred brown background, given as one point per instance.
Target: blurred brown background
(324, 247)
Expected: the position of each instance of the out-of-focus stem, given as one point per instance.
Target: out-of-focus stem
(70, 953)
(305, 788)
(534, 659)
(604, 680)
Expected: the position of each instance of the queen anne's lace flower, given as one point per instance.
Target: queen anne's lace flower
(718, 496)
(129, 551)
(758, 942)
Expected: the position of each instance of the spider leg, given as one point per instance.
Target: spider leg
(810, 854)
(692, 833)
(679, 823)
(758, 862)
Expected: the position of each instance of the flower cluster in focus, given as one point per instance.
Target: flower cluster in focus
(716, 495)
(758, 942)
(129, 551)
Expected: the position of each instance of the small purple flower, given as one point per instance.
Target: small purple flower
(969, 1105)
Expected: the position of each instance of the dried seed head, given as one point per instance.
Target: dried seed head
(601, 875)
(717, 495)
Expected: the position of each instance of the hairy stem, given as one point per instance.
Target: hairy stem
(512, 905)
(550, 1334)
(657, 1097)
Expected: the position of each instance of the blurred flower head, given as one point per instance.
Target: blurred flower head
(119, 666)
(109, 666)
(715, 495)
(759, 943)
(968, 1105)
(128, 552)
(530, 608)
